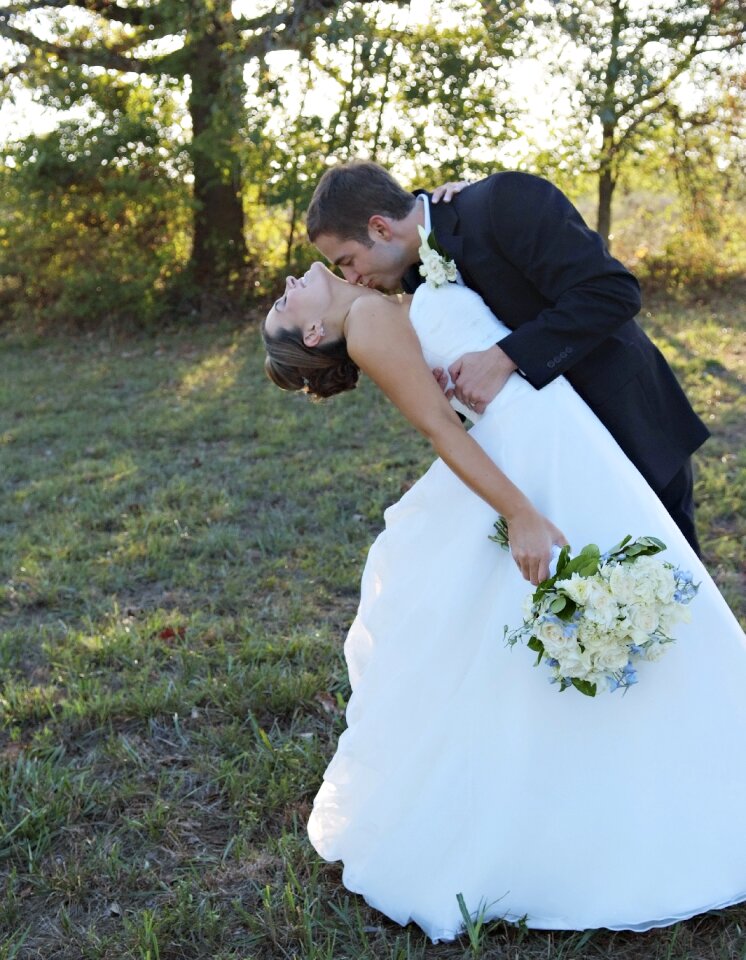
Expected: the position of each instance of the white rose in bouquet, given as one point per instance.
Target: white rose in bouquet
(575, 663)
(621, 582)
(599, 605)
(655, 650)
(643, 619)
(653, 581)
(672, 615)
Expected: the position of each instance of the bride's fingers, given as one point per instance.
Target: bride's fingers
(532, 568)
(559, 538)
(441, 378)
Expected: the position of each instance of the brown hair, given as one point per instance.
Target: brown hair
(320, 371)
(348, 195)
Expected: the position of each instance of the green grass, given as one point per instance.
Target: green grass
(181, 549)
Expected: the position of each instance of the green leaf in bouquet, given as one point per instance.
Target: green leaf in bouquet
(585, 564)
(562, 560)
(558, 604)
(544, 587)
(642, 547)
(538, 647)
(585, 686)
(568, 610)
(651, 545)
(618, 548)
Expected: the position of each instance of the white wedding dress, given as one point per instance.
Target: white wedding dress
(463, 770)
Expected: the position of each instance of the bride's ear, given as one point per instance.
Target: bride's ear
(313, 336)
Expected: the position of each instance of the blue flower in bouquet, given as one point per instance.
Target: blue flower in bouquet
(629, 674)
(686, 589)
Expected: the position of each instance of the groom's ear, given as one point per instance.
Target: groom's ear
(379, 227)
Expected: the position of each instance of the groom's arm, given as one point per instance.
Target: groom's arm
(538, 231)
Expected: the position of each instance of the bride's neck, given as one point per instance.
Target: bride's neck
(402, 300)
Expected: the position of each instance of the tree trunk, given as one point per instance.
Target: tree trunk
(606, 184)
(219, 256)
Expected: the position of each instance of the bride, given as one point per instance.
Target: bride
(464, 779)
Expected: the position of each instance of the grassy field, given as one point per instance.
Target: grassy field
(181, 549)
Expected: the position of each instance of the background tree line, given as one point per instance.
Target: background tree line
(192, 132)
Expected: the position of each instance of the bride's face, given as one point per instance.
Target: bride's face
(305, 304)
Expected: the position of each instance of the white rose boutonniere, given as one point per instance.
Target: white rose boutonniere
(435, 268)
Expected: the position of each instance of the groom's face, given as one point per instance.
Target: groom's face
(381, 265)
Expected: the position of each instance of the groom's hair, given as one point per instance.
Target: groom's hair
(348, 195)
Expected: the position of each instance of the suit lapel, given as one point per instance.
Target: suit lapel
(444, 220)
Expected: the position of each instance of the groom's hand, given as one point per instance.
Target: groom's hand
(479, 377)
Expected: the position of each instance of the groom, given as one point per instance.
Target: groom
(519, 242)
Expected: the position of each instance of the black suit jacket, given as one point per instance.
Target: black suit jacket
(519, 242)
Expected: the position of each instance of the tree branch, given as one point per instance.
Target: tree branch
(289, 31)
(654, 107)
(659, 89)
(134, 16)
(302, 9)
(89, 56)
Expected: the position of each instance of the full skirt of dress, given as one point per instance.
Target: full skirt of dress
(464, 771)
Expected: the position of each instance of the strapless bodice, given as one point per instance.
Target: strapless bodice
(452, 320)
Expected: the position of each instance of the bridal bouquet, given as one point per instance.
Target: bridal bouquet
(601, 613)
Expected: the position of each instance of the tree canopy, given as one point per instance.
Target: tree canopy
(192, 132)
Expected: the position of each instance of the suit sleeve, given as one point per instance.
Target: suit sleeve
(541, 233)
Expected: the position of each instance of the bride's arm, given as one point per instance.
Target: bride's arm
(386, 348)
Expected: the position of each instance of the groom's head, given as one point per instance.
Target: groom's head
(365, 223)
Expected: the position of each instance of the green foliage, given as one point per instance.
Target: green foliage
(628, 61)
(116, 218)
(95, 221)
(405, 94)
(707, 160)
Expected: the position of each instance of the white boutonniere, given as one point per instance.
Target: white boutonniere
(435, 268)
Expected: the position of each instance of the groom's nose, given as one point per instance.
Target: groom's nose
(350, 274)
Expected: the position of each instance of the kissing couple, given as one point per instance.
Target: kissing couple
(463, 780)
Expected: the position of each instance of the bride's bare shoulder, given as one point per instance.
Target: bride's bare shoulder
(376, 309)
(375, 320)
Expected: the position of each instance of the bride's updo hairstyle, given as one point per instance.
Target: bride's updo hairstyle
(320, 371)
